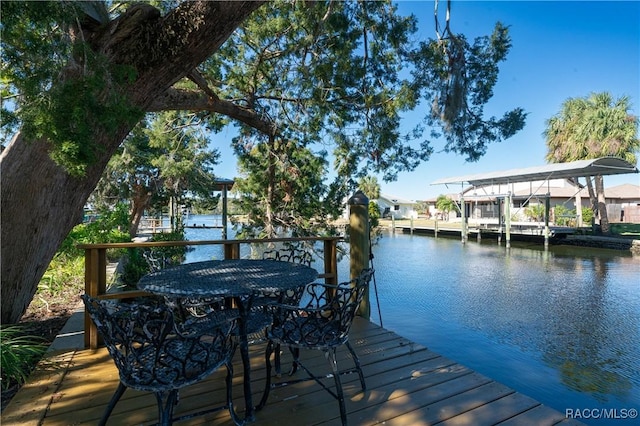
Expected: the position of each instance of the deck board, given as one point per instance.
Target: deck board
(406, 384)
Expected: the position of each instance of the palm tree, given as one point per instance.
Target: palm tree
(445, 204)
(370, 186)
(593, 127)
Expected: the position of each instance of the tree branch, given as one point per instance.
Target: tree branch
(178, 99)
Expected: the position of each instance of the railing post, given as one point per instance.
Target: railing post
(231, 251)
(547, 212)
(507, 219)
(95, 284)
(359, 242)
(330, 261)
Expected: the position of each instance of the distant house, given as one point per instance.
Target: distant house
(485, 202)
(396, 208)
(623, 203)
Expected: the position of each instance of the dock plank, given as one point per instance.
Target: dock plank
(406, 384)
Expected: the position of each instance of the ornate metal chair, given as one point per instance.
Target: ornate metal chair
(290, 254)
(155, 260)
(322, 322)
(294, 254)
(156, 353)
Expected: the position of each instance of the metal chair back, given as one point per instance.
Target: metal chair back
(153, 352)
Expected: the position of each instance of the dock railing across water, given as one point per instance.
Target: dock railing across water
(96, 267)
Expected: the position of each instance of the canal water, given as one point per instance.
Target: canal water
(561, 326)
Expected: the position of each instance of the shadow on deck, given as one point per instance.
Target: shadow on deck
(406, 385)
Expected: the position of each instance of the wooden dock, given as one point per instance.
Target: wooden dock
(407, 384)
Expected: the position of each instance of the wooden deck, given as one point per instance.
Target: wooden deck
(407, 384)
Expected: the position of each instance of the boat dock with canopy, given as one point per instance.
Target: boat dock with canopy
(572, 170)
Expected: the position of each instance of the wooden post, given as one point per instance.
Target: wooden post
(578, 210)
(463, 220)
(330, 261)
(547, 212)
(231, 250)
(359, 242)
(500, 220)
(507, 219)
(95, 284)
(224, 212)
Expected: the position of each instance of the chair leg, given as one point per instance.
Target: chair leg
(276, 360)
(267, 386)
(296, 356)
(165, 408)
(229, 382)
(356, 361)
(114, 400)
(331, 356)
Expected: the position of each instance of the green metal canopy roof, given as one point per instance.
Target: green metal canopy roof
(574, 169)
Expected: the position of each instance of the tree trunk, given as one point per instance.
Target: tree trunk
(40, 201)
(141, 200)
(269, 220)
(593, 200)
(602, 206)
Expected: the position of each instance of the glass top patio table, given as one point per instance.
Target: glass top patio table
(240, 279)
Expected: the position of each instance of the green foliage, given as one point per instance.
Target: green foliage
(422, 207)
(136, 265)
(445, 204)
(321, 74)
(564, 216)
(374, 214)
(164, 156)
(64, 271)
(331, 74)
(457, 79)
(535, 212)
(64, 93)
(370, 186)
(67, 267)
(173, 255)
(135, 268)
(587, 215)
(29, 34)
(18, 352)
(592, 127)
(111, 226)
(283, 192)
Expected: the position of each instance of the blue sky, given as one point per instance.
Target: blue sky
(559, 50)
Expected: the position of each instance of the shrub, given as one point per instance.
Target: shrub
(18, 354)
(564, 216)
(136, 266)
(535, 212)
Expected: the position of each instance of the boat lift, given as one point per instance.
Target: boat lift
(572, 170)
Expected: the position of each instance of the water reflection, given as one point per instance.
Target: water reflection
(562, 326)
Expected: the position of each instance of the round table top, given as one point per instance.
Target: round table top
(235, 277)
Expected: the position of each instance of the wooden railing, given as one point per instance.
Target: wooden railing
(95, 258)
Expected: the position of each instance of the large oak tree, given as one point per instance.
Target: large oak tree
(41, 199)
(294, 74)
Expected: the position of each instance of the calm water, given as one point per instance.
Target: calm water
(561, 326)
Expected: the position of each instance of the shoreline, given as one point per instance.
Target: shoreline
(452, 229)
